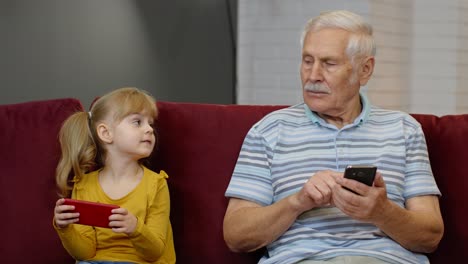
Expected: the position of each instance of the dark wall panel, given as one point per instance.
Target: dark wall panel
(178, 50)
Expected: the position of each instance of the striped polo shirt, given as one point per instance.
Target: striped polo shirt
(286, 147)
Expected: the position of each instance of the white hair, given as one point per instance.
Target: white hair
(360, 44)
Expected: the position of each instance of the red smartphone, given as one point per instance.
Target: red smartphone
(92, 213)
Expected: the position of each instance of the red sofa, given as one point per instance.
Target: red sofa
(198, 147)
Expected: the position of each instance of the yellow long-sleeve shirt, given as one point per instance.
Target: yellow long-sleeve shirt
(152, 240)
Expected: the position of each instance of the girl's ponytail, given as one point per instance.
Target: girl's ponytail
(78, 151)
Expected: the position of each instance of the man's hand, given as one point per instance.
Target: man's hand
(317, 190)
(417, 227)
(249, 226)
(369, 202)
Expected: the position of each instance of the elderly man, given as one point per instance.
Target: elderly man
(286, 192)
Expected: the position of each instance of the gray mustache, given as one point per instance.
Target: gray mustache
(317, 87)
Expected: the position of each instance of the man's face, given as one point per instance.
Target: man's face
(330, 84)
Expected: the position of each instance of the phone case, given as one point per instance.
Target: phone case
(92, 213)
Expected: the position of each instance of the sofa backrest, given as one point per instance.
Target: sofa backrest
(447, 142)
(28, 156)
(198, 148)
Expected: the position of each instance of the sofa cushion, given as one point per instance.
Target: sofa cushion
(198, 148)
(28, 156)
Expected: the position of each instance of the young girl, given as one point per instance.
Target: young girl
(102, 155)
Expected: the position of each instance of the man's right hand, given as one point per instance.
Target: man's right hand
(317, 191)
(249, 226)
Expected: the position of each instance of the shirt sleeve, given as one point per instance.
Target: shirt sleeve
(419, 179)
(78, 240)
(151, 235)
(251, 179)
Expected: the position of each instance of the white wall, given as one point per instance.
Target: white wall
(422, 53)
(437, 71)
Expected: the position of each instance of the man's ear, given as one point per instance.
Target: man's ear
(366, 69)
(104, 133)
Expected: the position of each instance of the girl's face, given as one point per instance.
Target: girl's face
(133, 136)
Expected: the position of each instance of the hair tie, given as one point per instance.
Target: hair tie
(90, 115)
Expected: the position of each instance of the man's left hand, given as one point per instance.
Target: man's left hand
(367, 204)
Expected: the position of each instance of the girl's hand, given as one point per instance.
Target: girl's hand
(62, 215)
(122, 221)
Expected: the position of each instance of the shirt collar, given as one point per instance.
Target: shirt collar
(362, 118)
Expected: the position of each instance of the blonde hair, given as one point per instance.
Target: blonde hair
(82, 150)
(360, 44)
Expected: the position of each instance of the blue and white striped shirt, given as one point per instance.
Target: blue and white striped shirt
(286, 147)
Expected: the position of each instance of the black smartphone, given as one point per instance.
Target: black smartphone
(361, 173)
